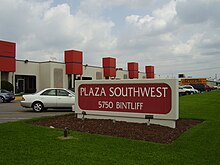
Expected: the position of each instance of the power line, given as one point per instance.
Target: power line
(202, 69)
(191, 71)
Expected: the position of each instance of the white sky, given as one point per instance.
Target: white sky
(176, 36)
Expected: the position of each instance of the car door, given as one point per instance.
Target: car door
(49, 98)
(65, 98)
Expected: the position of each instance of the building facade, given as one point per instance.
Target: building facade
(31, 76)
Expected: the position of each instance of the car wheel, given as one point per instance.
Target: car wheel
(188, 93)
(1, 99)
(38, 107)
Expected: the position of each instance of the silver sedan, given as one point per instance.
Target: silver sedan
(49, 98)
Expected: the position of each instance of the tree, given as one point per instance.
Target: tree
(7, 85)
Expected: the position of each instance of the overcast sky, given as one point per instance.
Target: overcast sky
(175, 36)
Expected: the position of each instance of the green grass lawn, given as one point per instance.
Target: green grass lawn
(23, 143)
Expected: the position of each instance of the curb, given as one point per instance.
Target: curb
(18, 98)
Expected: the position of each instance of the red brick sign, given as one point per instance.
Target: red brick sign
(152, 98)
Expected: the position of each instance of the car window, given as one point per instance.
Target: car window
(71, 92)
(61, 92)
(49, 92)
(4, 91)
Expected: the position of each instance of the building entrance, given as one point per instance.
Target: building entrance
(25, 84)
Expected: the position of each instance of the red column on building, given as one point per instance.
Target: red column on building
(73, 61)
(133, 70)
(7, 56)
(149, 71)
(74, 65)
(109, 66)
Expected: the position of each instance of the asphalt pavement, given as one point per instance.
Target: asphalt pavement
(13, 111)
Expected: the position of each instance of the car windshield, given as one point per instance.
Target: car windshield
(49, 92)
(43, 91)
(73, 93)
(4, 91)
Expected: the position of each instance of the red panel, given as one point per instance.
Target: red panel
(109, 72)
(73, 56)
(109, 65)
(150, 75)
(157, 98)
(132, 70)
(7, 64)
(7, 48)
(133, 74)
(149, 71)
(149, 68)
(109, 62)
(132, 66)
(74, 69)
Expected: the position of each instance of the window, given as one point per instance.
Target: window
(49, 92)
(98, 75)
(188, 87)
(125, 76)
(61, 92)
(4, 91)
(58, 78)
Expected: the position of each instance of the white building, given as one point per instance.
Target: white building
(33, 76)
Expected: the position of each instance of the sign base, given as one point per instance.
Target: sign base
(167, 123)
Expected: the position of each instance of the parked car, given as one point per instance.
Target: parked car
(199, 87)
(182, 91)
(6, 96)
(49, 98)
(216, 87)
(208, 88)
(190, 90)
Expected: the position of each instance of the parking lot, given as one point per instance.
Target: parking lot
(13, 112)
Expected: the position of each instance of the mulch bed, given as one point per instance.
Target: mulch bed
(137, 131)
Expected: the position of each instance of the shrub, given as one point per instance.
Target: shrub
(7, 85)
